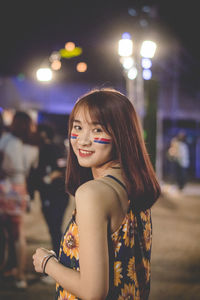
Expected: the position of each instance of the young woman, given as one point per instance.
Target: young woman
(105, 251)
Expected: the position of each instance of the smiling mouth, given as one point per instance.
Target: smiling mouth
(85, 153)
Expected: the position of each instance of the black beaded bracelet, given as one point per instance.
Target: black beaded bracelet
(50, 256)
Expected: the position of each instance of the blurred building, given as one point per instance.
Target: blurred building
(30, 94)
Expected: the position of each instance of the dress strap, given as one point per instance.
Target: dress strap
(117, 180)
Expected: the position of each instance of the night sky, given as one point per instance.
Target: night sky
(32, 30)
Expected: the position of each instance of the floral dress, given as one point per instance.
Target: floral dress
(130, 252)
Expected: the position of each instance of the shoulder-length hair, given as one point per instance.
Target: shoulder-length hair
(21, 126)
(118, 118)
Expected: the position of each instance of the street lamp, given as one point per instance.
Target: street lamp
(148, 49)
(136, 67)
(125, 46)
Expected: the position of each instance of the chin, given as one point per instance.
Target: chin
(84, 164)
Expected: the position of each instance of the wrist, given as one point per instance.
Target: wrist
(46, 261)
(43, 261)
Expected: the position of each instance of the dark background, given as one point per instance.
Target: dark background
(31, 30)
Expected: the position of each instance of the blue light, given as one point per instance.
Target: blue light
(147, 74)
(1, 109)
(146, 9)
(146, 63)
(126, 36)
(132, 12)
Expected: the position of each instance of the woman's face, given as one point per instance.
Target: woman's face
(91, 144)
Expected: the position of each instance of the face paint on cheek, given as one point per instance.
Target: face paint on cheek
(74, 136)
(102, 141)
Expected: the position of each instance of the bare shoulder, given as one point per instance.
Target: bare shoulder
(95, 187)
(95, 194)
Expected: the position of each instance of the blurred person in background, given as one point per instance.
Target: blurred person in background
(1, 133)
(2, 235)
(31, 151)
(13, 194)
(50, 176)
(1, 124)
(178, 154)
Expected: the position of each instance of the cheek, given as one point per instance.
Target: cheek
(104, 144)
(73, 139)
(104, 149)
(73, 142)
(74, 136)
(102, 141)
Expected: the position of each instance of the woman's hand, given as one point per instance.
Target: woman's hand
(39, 258)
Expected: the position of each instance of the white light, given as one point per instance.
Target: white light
(148, 49)
(54, 56)
(146, 63)
(44, 74)
(125, 47)
(127, 62)
(147, 74)
(132, 73)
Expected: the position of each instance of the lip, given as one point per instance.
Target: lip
(85, 153)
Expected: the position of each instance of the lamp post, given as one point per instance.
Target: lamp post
(136, 69)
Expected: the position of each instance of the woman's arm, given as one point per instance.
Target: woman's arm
(92, 282)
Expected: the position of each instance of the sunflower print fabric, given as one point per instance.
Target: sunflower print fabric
(130, 250)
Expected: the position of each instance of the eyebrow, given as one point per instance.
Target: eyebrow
(91, 123)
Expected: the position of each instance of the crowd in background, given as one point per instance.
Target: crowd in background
(30, 161)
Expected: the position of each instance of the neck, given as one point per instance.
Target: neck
(105, 169)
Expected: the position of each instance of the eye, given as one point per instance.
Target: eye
(97, 130)
(77, 127)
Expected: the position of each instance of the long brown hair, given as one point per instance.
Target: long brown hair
(118, 117)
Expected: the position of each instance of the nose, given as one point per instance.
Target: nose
(84, 139)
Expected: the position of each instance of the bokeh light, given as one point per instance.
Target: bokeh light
(148, 49)
(127, 62)
(143, 23)
(69, 46)
(54, 56)
(146, 63)
(132, 73)
(132, 12)
(147, 74)
(7, 115)
(81, 67)
(56, 65)
(72, 53)
(44, 74)
(126, 36)
(125, 46)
